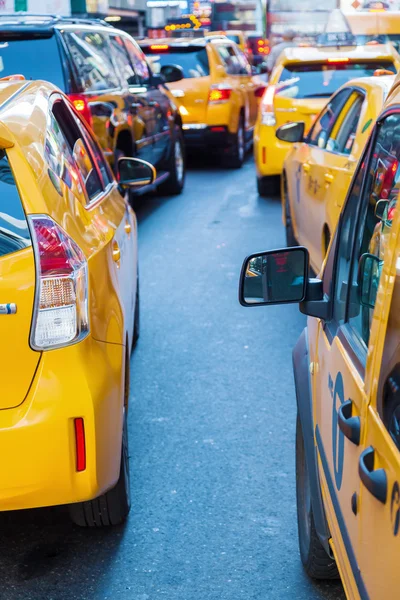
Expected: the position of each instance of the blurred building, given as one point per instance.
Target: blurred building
(129, 15)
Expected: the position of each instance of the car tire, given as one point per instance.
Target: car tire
(316, 562)
(136, 325)
(290, 237)
(176, 167)
(237, 152)
(111, 508)
(267, 187)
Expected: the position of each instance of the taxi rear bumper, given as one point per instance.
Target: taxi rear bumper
(38, 439)
(200, 135)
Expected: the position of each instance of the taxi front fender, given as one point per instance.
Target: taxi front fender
(301, 368)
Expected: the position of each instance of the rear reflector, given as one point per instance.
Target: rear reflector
(217, 128)
(80, 445)
(264, 155)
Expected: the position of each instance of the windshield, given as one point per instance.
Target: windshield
(34, 59)
(194, 62)
(323, 79)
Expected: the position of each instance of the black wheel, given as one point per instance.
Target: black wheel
(290, 237)
(317, 563)
(268, 187)
(112, 508)
(235, 158)
(176, 167)
(136, 326)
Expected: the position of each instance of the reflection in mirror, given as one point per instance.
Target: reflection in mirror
(171, 73)
(380, 208)
(134, 172)
(368, 279)
(275, 277)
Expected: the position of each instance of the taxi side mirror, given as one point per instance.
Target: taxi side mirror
(369, 270)
(134, 173)
(172, 73)
(291, 132)
(380, 208)
(274, 277)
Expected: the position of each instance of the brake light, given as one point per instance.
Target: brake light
(159, 47)
(61, 302)
(219, 94)
(82, 106)
(267, 107)
(338, 60)
(259, 93)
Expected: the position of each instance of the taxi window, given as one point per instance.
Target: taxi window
(92, 58)
(230, 60)
(121, 59)
(322, 127)
(343, 133)
(323, 79)
(382, 184)
(192, 60)
(14, 232)
(138, 61)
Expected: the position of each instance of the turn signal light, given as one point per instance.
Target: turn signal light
(217, 95)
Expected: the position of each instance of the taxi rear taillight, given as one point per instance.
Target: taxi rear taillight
(267, 107)
(81, 104)
(61, 303)
(218, 94)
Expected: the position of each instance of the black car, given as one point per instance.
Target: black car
(105, 74)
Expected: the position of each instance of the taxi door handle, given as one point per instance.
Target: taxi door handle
(306, 167)
(328, 177)
(350, 425)
(375, 480)
(116, 252)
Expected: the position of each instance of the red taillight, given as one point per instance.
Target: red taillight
(82, 106)
(80, 445)
(219, 94)
(259, 93)
(61, 303)
(217, 128)
(267, 106)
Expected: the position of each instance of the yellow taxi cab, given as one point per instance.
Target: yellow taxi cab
(347, 377)
(318, 170)
(235, 35)
(213, 85)
(69, 309)
(300, 83)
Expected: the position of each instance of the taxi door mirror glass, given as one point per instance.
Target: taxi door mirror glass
(291, 132)
(135, 173)
(171, 73)
(380, 209)
(369, 270)
(274, 277)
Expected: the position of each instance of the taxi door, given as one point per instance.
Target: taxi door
(379, 463)
(252, 87)
(310, 194)
(346, 441)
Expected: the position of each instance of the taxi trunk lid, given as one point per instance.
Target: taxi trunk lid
(191, 96)
(17, 294)
(288, 109)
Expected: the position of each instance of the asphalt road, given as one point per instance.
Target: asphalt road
(212, 422)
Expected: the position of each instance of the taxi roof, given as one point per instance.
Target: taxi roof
(184, 41)
(303, 54)
(384, 81)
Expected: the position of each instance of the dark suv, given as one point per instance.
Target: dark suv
(106, 76)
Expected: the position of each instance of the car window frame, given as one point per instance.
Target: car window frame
(361, 94)
(124, 82)
(141, 84)
(346, 94)
(90, 202)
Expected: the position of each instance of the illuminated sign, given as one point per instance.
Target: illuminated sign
(185, 22)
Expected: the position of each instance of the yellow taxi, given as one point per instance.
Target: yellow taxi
(318, 170)
(347, 376)
(300, 83)
(69, 309)
(235, 35)
(214, 87)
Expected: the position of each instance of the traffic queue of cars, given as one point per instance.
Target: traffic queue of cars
(340, 188)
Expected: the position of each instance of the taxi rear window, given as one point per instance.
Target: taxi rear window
(193, 60)
(14, 232)
(323, 79)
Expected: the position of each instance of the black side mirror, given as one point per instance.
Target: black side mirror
(134, 173)
(291, 132)
(369, 272)
(157, 80)
(171, 73)
(274, 277)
